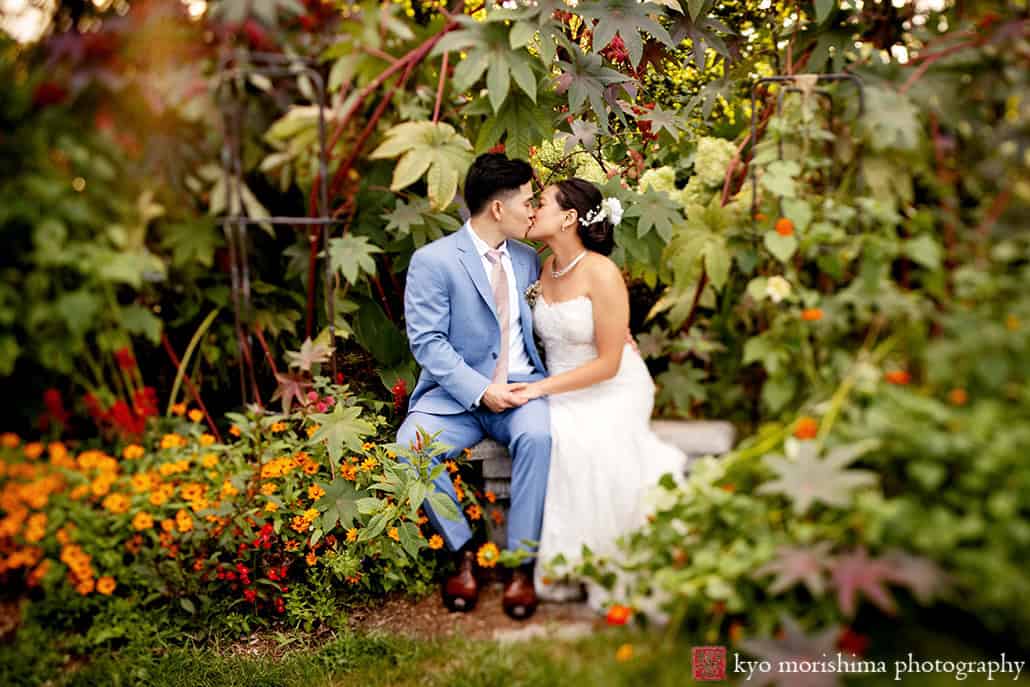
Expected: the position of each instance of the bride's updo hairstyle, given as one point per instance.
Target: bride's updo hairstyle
(583, 197)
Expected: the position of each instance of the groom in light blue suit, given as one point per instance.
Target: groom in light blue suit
(471, 331)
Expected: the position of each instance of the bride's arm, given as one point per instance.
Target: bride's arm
(611, 322)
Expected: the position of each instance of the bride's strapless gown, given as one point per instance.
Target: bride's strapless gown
(604, 456)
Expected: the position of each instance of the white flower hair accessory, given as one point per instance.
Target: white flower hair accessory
(609, 207)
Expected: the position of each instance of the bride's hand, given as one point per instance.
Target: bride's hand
(525, 390)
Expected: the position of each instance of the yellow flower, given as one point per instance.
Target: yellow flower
(172, 441)
(278, 427)
(79, 491)
(209, 460)
(624, 653)
(310, 468)
(57, 451)
(161, 495)
(167, 525)
(367, 446)
(206, 440)
(312, 429)
(199, 504)
(392, 534)
(436, 542)
(235, 431)
(192, 490)
(315, 492)
(348, 472)
(142, 521)
(352, 535)
(452, 467)
(179, 409)
(106, 585)
(183, 520)
(269, 488)
(196, 415)
(311, 558)
(271, 507)
(228, 489)
(311, 514)
(116, 503)
(368, 464)
(132, 452)
(487, 555)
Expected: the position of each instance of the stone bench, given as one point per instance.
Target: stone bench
(696, 438)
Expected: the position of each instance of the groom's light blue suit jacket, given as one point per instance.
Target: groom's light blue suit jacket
(452, 322)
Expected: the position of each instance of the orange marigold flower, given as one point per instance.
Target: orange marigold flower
(806, 428)
(491, 497)
(310, 468)
(269, 488)
(300, 524)
(278, 427)
(33, 450)
(1012, 323)
(497, 516)
(784, 227)
(10, 440)
(57, 451)
(367, 446)
(352, 535)
(900, 377)
(315, 492)
(311, 514)
(168, 525)
(132, 452)
(142, 521)
(209, 460)
(474, 511)
(958, 397)
(436, 542)
(106, 585)
(348, 472)
(116, 503)
(85, 586)
(393, 534)
(452, 467)
(312, 429)
(618, 614)
(271, 507)
(811, 314)
(183, 520)
(368, 464)
(624, 653)
(179, 409)
(172, 441)
(311, 558)
(235, 431)
(488, 555)
(292, 545)
(206, 440)
(196, 415)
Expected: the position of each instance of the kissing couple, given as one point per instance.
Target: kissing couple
(578, 428)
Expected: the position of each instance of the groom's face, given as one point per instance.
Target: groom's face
(517, 212)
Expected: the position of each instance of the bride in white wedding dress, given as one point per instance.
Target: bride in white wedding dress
(604, 457)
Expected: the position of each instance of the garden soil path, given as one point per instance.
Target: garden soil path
(428, 619)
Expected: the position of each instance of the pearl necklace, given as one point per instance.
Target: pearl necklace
(558, 273)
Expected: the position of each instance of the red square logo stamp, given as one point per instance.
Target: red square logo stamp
(709, 663)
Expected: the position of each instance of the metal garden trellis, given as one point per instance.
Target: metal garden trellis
(231, 68)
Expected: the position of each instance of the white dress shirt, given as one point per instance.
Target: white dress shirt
(518, 359)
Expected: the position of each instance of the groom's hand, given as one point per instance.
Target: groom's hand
(499, 397)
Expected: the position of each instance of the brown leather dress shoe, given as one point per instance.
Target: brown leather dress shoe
(519, 600)
(460, 591)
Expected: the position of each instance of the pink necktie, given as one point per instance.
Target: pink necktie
(499, 280)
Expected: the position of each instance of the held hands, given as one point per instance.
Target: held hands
(526, 391)
(501, 397)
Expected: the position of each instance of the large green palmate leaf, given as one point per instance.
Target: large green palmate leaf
(352, 255)
(585, 79)
(266, 11)
(655, 210)
(532, 19)
(627, 18)
(338, 504)
(702, 30)
(342, 428)
(418, 220)
(521, 122)
(435, 150)
(680, 386)
(806, 478)
(487, 47)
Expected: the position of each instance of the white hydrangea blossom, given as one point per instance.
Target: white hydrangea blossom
(588, 168)
(712, 160)
(695, 193)
(660, 179)
(777, 288)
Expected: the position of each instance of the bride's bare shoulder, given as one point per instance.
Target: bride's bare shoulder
(601, 267)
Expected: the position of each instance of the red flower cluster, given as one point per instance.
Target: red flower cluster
(125, 420)
(616, 51)
(400, 395)
(55, 411)
(644, 126)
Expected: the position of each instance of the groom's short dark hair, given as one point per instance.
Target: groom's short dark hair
(492, 175)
